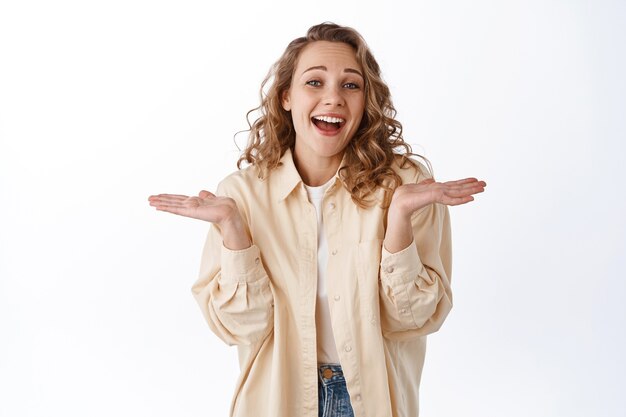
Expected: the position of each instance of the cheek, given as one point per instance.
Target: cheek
(300, 107)
(360, 114)
(359, 106)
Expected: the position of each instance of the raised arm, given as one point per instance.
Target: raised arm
(233, 289)
(221, 211)
(416, 258)
(411, 198)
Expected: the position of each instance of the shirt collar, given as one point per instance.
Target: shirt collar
(289, 177)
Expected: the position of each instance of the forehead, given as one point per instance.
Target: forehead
(328, 54)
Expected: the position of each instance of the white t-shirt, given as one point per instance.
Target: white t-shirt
(326, 348)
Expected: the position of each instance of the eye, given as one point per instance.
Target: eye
(351, 86)
(313, 83)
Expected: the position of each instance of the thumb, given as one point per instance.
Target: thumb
(205, 193)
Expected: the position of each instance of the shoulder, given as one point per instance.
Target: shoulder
(410, 170)
(240, 182)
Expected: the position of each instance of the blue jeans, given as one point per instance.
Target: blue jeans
(334, 400)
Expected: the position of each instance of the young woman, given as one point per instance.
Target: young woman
(329, 256)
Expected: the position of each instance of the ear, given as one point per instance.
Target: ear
(285, 100)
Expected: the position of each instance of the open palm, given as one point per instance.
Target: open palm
(206, 206)
(412, 197)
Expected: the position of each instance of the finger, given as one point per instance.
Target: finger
(427, 181)
(455, 201)
(166, 202)
(473, 183)
(205, 194)
(169, 198)
(172, 195)
(462, 193)
(461, 182)
(181, 211)
(465, 185)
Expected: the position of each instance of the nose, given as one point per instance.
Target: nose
(334, 97)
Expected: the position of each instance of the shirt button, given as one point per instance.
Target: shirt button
(256, 261)
(358, 397)
(332, 206)
(334, 252)
(403, 311)
(337, 298)
(348, 348)
(389, 269)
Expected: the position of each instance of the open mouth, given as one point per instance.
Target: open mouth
(327, 124)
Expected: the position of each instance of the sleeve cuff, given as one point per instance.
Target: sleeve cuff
(242, 265)
(398, 267)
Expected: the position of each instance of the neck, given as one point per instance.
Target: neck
(316, 173)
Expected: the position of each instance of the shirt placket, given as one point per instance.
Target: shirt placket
(307, 260)
(339, 311)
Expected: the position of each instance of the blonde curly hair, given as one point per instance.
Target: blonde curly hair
(376, 144)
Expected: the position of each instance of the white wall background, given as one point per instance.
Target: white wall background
(105, 103)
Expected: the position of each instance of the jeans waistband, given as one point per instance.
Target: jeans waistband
(329, 373)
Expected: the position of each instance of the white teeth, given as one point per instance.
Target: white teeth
(328, 119)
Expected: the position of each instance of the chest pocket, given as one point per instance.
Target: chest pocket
(368, 267)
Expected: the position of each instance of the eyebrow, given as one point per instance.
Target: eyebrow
(322, 67)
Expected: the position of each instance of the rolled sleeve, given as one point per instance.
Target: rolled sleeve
(242, 266)
(415, 282)
(234, 292)
(400, 268)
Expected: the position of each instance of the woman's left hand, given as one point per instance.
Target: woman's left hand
(409, 198)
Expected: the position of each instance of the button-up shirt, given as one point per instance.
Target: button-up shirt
(382, 305)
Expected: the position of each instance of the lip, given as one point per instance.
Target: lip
(327, 133)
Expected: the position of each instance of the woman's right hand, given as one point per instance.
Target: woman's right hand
(221, 211)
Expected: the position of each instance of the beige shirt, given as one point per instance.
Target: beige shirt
(326, 348)
(382, 305)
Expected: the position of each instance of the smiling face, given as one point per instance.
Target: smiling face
(326, 100)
